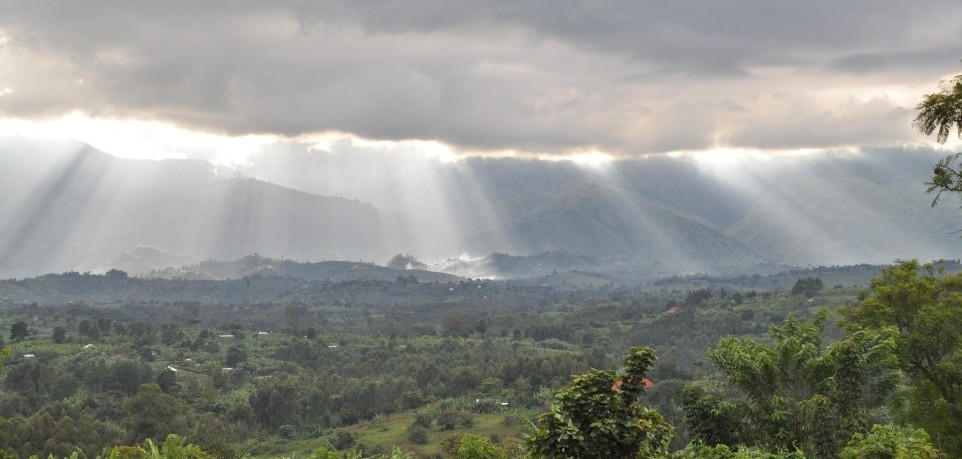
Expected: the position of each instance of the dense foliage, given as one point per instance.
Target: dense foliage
(268, 366)
(795, 392)
(599, 414)
(925, 306)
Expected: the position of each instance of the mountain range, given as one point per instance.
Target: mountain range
(85, 210)
(73, 208)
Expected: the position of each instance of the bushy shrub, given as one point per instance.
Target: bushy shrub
(417, 434)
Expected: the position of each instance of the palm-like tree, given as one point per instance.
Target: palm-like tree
(941, 111)
(938, 113)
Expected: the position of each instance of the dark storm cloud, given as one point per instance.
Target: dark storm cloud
(619, 76)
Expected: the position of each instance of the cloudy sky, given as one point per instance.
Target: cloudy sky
(621, 78)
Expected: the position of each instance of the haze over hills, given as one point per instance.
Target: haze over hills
(659, 213)
(333, 271)
(75, 208)
(81, 210)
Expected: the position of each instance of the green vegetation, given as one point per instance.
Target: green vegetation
(273, 366)
(795, 392)
(925, 307)
(599, 415)
(939, 113)
(887, 441)
(808, 286)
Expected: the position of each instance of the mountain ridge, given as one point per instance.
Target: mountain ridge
(88, 208)
(79, 209)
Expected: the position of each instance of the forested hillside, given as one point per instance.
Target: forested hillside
(266, 365)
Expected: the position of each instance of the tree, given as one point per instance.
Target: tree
(104, 325)
(454, 325)
(890, 442)
(287, 431)
(84, 327)
(417, 434)
(481, 327)
(423, 420)
(59, 335)
(153, 414)
(478, 447)
(940, 112)
(447, 420)
(128, 375)
(144, 333)
(599, 414)
(173, 447)
(18, 331)
(190, 313)
(275, 402)
(343, 440)
(29, 377)
(711, 420)
(698, 296)
(807, 286)
(167, 381)
(88, 329)
(235, 355)
(115, 274)
(795, 393)
(925, 307)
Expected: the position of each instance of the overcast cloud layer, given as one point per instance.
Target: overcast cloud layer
(623, 77)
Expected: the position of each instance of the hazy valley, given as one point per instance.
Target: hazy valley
(77, 209)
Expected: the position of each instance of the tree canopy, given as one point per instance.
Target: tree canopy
(599, 414)
(795, 392)
(925, 306)
(18, 331)
(939, 113)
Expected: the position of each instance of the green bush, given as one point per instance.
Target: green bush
(417, 434)
(478, 447)
(890, 442)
